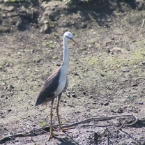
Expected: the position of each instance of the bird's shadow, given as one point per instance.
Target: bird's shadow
(66, 141)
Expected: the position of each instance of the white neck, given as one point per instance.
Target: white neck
(65, 54)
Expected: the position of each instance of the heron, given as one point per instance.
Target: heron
(56, 83)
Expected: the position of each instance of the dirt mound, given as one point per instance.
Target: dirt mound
(55, 12)
(18, 16)
(48, 16)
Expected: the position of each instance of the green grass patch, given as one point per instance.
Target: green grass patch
(114, 62)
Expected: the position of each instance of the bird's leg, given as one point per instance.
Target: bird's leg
(51, 114)
(57, 111)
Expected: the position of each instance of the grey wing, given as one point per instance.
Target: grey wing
(47, 92)
(66, 85)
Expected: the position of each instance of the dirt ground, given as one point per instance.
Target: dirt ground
(106, 72)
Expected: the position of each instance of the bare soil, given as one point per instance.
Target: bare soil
(106, 72)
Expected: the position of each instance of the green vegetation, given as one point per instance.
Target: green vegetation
(75, 1)
(50, 44)
(12, 1)
(43, 123)
(66, 1)
(116, 62)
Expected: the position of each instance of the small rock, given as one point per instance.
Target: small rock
(73, 91)
(4, 15)
(112, 110)
(7, 8)
(77, 112)
(64, 101)
(6, 129)
(143, 63)
(102, 75)
(134, 85)
(140, 103)
(106, 103)
(45, 21)
(125, 70)
(10, 8)
(9, 110)
(11, 87)
(75, 73)
(91, 96)
(88, 110)
(73, 95)
(112, 38)
(119, 110)
(58, 64)
(116, 50)
(45, 28)
(68, 94)
(2, 96)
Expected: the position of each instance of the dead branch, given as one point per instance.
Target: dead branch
(104, 118)
(23, 134)
(142, 23)
(130, 136)
(133, 123)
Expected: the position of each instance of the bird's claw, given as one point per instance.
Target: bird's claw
(64, 129)
(52, 135)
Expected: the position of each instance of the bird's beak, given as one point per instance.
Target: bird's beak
(74, 41)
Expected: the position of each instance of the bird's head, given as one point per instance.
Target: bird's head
(69, 36)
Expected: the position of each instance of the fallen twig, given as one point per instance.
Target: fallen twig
(24, 134)
(142, 23)
(129, 124)
(104, 118)
(133, 123)
(130, 136)
(108, 140)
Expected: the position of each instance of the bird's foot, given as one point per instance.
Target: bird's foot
(51, 135)
(64, 129)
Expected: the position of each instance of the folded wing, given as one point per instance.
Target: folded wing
(47, 91)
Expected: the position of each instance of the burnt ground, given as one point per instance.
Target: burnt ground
(106, 72)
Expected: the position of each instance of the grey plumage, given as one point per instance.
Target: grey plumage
(47, 91)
